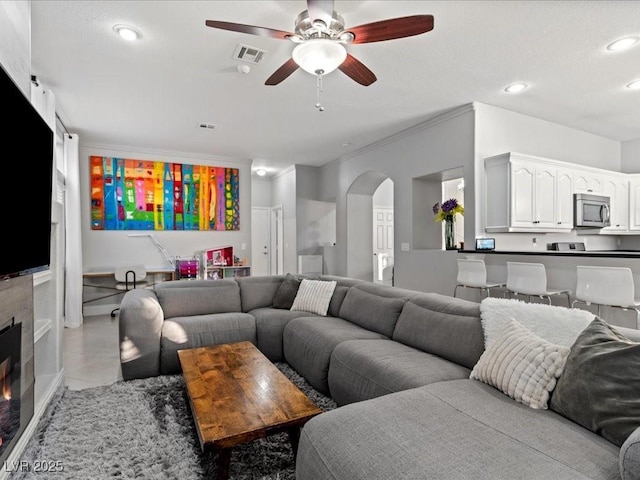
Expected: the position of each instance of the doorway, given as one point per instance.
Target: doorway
(260, 241)
(277, 241)
(362, 228)
(383, 233)
(267, 257)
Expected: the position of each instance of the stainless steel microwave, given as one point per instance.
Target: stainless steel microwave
(590, 211)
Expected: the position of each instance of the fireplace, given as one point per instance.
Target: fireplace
(10, 349)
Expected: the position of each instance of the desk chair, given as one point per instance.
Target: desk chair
(472, 273)
(530, 279)
(608, 286)
(128, 278)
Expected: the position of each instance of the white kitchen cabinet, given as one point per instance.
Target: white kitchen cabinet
(634, 203)
(527, 194)
(616, 187)
(564, 198)
(587, 181)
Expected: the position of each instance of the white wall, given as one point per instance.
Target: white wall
(383, 197)
(15, 42)
(433, 146)
(499, 131)
(462, 138)
(631, 156)
(284, 194)
(315, 219)
(260, 191)
(108, 248)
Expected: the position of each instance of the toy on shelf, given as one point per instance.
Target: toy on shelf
(187, 268)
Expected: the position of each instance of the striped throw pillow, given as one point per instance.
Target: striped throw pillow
(522, 365)
(314, 296)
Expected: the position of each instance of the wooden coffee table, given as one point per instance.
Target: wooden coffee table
(237, 395)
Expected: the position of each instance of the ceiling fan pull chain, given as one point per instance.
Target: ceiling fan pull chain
(319, 91)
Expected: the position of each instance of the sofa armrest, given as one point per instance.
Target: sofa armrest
(140, 326)
(630, 457)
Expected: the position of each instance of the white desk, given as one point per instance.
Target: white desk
(104, 278)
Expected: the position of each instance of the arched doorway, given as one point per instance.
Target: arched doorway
(362, 236)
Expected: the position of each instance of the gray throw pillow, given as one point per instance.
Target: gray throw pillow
(286, 292)
(600, 383)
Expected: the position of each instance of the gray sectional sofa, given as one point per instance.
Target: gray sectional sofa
(398, 364)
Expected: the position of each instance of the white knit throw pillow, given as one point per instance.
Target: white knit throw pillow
(522, 365)
(314, 296)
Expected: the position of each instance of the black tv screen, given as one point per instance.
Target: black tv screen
(26, 183)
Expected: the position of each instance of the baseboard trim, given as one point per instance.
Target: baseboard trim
(106, 309)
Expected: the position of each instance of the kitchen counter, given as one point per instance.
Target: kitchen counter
(560, 253)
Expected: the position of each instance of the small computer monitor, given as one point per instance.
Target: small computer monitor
(485, 243)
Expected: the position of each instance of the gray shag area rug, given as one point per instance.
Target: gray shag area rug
(144, 429)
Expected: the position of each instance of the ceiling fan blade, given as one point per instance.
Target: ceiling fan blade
(282, 73)
(354, 68)
(392, 28)
(239, 27)
(320, 10)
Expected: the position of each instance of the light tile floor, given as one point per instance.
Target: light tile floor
(90, 353)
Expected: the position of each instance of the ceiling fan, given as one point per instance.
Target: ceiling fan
(320, 37)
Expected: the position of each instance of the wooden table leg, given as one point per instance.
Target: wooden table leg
(224, 459)
(294, 438)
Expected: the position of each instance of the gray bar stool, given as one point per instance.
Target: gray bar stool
(608, 286)
(531, 279)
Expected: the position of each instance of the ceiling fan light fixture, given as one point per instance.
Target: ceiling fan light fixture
(319, 55)
(346, 37)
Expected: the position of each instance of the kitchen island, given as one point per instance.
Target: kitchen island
(561, 273)
(560, 253)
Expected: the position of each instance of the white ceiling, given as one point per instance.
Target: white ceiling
(152, 94)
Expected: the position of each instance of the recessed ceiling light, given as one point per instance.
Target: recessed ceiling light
(261, 172)
(635, 85)
(622, 43)
(516, 87)
(127, 32)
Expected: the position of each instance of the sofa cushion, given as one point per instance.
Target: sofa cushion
(309, 341)
(374, 307)
(599, 387)
(343, 284)
(270, 323)
(201, 331)
(198, 297)
(458, 429)
(286, 293)
(314, 296)
(364, 369)
(258, 292)
(445, 326)
(630, 457)
(522, 365)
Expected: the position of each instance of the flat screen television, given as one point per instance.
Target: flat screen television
(26, 183)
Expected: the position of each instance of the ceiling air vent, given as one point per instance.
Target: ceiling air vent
(249, 54)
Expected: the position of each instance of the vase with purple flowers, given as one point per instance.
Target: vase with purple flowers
(446, 212)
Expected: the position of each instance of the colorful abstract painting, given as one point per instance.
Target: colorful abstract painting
(129, 194)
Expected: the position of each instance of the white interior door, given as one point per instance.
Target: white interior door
(260, 241)
(277, 241)
(382, 244)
